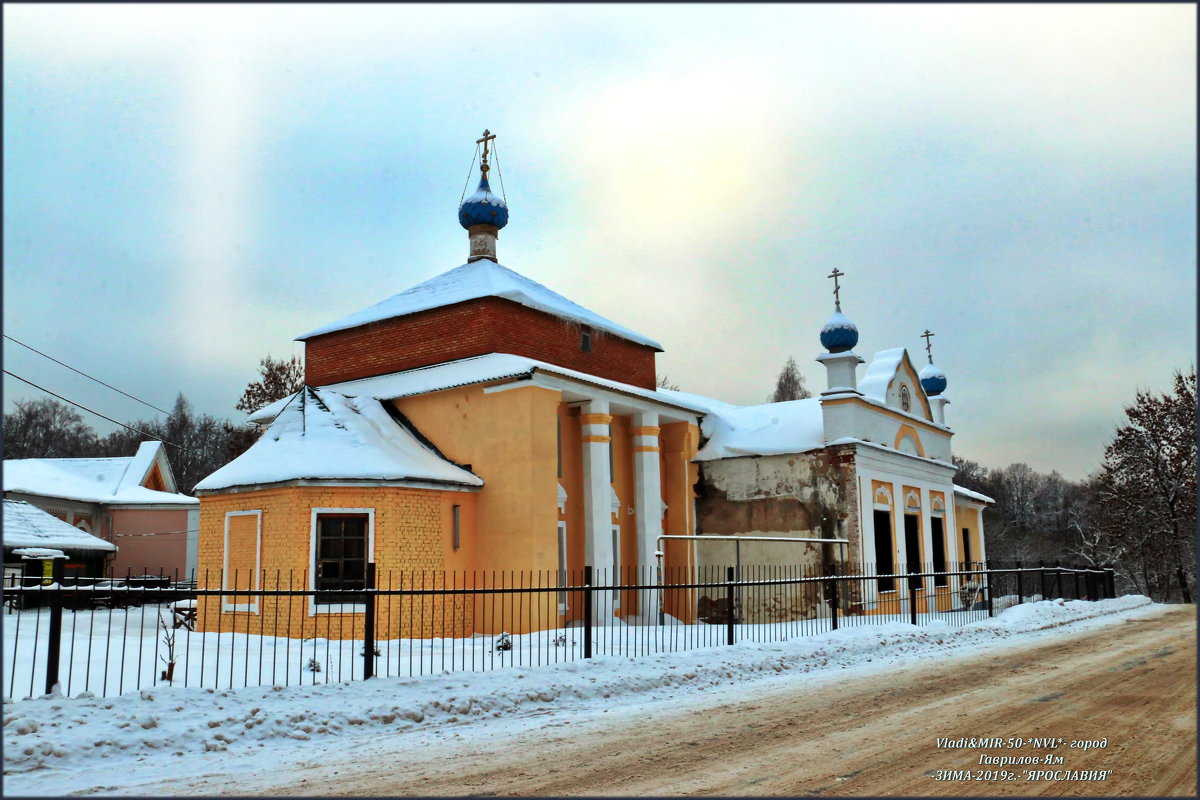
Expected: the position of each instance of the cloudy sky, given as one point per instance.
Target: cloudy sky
(187, 188)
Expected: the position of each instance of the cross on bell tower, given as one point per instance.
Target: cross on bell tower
(928, 346)
(837, 299)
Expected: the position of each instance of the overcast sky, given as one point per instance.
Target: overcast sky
(187, 188)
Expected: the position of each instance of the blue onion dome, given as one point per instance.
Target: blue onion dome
(483, 208)
(839, 333)
(933, 380)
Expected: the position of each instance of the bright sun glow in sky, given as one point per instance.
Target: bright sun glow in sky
(188, 187)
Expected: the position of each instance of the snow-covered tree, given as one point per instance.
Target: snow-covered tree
(790, 384)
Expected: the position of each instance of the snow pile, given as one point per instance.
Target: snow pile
(324, 434)
(55, 731)
(476, 279)
(27, 526)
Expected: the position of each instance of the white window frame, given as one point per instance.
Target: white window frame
(347, 608)
(251, 607)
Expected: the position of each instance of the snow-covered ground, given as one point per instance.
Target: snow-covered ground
(55, 744)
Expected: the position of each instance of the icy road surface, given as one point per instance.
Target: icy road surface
(853, 712)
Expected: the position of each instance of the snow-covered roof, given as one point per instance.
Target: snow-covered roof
(880, 372)
(324, 434)
(794, 426)
(28, 526)
(482, 278)
(478, 369)
(95, 480)
(970, 495)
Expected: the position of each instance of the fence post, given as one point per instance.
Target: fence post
(587, 612)
(1020, 585)
(369, 625)
(833, 597)
(54, 645)
(1110, 576)
(1042, 578)
(912, 602)
(1183, 587)
(1077, 597)
(729, 605)
(987, 584)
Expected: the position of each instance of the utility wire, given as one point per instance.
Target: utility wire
(97, 413)
(84, 374)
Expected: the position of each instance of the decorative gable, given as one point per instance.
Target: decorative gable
(892, 380)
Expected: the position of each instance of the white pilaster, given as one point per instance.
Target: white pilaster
(597, 488)
(648, 497)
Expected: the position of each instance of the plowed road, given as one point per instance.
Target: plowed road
(1133, 682)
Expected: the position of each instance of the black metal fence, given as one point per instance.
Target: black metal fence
(108, 636)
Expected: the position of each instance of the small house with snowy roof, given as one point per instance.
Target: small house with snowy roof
(480, 421)
(31, 537)
(129, 501)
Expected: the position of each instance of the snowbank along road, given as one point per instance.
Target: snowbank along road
(857, 712)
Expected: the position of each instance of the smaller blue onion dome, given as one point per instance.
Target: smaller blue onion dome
(839, 333)
(933, 380)
(483, 208)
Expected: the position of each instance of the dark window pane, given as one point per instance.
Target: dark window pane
(342, 550)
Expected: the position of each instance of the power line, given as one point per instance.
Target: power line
(84, 374)
(97, 413)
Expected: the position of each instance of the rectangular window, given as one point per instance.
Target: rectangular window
(939, 550)
(912, 548)
(616, 570)
(611, 473)
(562, 566)
(884, 563)
(341, 558)
(966, 548)
(585, 339)
(457, 528)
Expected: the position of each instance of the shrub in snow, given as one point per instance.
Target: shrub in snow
(561, 640)
(375, 650)
(313, 665)
(503, 642)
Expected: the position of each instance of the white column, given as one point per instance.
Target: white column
(938, 405)
(648, 497)
(927, 547)
(597, 488)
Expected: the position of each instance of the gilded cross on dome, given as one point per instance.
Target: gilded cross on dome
(928, 346)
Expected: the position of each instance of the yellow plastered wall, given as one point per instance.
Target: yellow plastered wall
(509, 438)
(944, 594)
(413, 531)
(679, 442)
(968, 518)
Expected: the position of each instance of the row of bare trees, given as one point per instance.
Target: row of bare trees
(1136, 513)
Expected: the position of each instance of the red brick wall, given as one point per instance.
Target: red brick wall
(476, 327)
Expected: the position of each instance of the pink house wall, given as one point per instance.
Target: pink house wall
(165, 552)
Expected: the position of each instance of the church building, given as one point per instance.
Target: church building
(480, 421)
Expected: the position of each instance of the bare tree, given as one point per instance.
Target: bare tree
(664, 382)
(1146, 490)
(790, 384)
(47, 428)
(278, 379)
